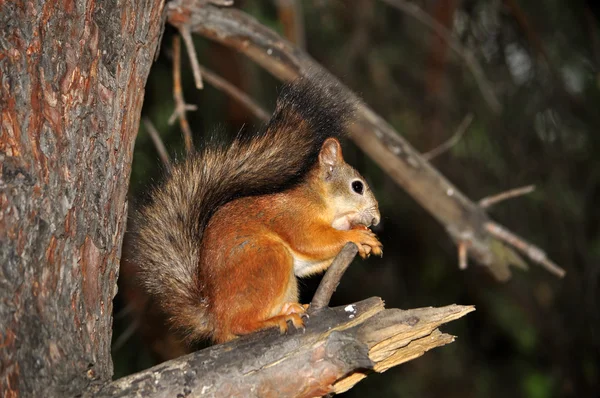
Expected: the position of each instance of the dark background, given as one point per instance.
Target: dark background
(534, 336)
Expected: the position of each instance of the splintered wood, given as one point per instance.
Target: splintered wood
(339, 347)
(396, 336)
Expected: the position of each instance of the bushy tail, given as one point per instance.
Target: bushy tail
(278, 157)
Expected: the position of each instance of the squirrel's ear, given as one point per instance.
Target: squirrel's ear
(331, 153)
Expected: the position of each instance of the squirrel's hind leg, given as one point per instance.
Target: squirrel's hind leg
(268, 295)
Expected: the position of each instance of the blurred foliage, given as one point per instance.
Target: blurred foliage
(534, 336)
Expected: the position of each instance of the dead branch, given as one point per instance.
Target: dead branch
(189, 43)
(222, 3)
(332, 278)
(464, 220)
(489, 201)
(180, 106)
(128, 333)
(534, 253)
(191, 50)
(464, 53)
(339, 348)
(221, 84)
(463, 255)
(456, 137)
(158, 143)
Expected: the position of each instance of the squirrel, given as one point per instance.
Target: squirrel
(225, 237)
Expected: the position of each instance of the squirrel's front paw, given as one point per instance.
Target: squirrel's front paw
(367, 242)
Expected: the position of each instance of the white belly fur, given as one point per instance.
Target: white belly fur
(304, 267)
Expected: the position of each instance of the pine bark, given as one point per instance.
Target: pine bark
(72, 76)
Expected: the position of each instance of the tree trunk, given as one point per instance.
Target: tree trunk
(72, 76)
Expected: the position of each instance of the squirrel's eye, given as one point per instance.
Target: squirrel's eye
(358, 187)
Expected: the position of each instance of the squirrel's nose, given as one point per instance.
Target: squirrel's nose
(375, 220)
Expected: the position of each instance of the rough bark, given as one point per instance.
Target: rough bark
(72, 76)
(337, 349)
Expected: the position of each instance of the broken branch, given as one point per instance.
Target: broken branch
(339, 348)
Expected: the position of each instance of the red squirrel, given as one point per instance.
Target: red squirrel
(230, 230)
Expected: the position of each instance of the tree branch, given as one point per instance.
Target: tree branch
(339, 348)
(464, 220)
(456, 137)
(180, 106)
(533, 252)
(191, 50)
(158, 143)
(332, 278)
(489, 201)
(221, 84)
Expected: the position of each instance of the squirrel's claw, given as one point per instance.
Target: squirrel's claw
(378, 250)
(295, 313)
(366, 241)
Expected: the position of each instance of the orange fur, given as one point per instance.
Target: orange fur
(248, 252)
(225, 237)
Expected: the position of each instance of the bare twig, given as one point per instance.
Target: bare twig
(513, 193)
(180, 106)
(462, 255)
(126, 334)
(534, 253)
(222, 3)
(467, 56)
(221, 84)
(332, 278)
(129, 309)
(191, 50)
(456, 137)
(158, 143)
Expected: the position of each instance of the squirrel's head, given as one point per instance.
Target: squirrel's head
(349, 199)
